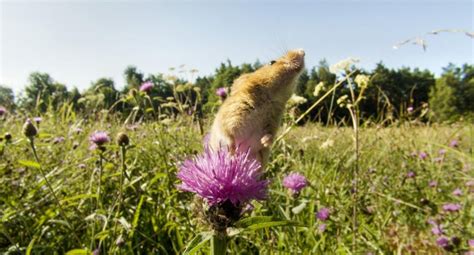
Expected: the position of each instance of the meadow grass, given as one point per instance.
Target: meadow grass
(395, 201)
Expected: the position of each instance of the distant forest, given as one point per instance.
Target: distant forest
(392, 93)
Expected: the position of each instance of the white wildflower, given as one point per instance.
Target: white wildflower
(343, 65)
(296, 100)
(319, 88)
(362, 80)
(342, 101)
(327, 144)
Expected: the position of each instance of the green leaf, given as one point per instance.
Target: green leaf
(197, 242)
(29, 163)
(78, 252)
(30, 246)
(136, 216)
(259, 222)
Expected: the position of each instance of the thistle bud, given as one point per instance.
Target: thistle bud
(122, 139)
(8, 137)
(29, 130)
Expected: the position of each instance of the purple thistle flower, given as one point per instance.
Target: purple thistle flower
(437, 230)
(295, 182)
(454, 143)
(221, 92)
(323, 214)
(219, 177)
(98, 139)
(411, 174)
(470, 242)
(58, 139)
(442, 241)
(451, 207)
(438, 159)
(442, 151)
(410, 109)
(457, 192)
(146, 86)
(470, 183)
(433, 184)
(3, 111)
(423, 155)
(38, 120)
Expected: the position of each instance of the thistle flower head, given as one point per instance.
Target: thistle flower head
(99, 139)
(423, 155)
(146, 86)
(323, 214)
(221, 92)
(122, 139)
(457, 192)
(451, 207)
(29, 130)
(3, 111)
(218, 176)
(454, 143)
(38, 120)
(410, 109)
(295, 182)
(442, 241)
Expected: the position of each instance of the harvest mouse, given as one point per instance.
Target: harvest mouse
(249, 118)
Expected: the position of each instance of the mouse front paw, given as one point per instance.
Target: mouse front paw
(267, 140)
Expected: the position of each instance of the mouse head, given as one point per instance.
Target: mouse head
(278, 76)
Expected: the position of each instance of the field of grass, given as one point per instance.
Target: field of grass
(407, 175)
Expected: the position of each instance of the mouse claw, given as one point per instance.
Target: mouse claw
(267, 140)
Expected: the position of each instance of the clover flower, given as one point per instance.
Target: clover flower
(146, 86)
(295, 182)
(218, 176)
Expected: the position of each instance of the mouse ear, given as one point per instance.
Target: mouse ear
(272, 62)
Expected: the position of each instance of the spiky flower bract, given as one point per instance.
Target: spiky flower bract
(218, 176)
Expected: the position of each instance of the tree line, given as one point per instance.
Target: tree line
(391, 94)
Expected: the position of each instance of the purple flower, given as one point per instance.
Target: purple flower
(470, 183)
(457, 192)
(219, 177)
(423, 155)
(414, 154)
(98, 139)
(322, 228)
(38, 120)
(323, 214)
(58, 139)
(3, 111)
(454, 143)
(442, 241)
(146, 86)
(221, 92)
(410, 109)
(442, 151)
(437, 230)
(433, 184)
(295, 182)
(438, 160)
(471, 243)
(411, 174)
(451, 207)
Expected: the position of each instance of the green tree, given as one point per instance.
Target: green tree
(7, 98)
(42, 91)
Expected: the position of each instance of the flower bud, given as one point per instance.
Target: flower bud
(8, 137)
(122, 139)
(29, 130)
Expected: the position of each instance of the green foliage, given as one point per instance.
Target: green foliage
(7, 98)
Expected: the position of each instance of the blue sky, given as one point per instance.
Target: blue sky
(78, 42)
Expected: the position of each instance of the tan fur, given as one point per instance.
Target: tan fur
(251, 115)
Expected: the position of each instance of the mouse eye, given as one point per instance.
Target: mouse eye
(272, 62)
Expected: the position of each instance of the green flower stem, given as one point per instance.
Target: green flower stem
(219, 243)
(51, 190)
(99, 201)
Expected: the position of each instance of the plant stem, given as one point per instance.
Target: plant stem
(50, 187)
(99, 201)
(219, 243)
